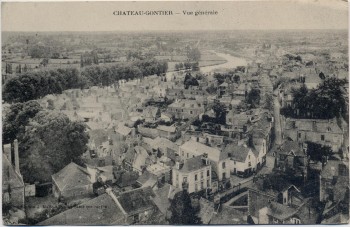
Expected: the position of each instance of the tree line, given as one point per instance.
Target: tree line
(34, 85)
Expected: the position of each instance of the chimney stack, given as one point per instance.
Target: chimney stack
(15, 144)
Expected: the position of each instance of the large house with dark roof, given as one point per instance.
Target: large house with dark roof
(325, 132)
(220, 160)
(193, 174)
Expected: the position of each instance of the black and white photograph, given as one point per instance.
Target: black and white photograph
(175, 112)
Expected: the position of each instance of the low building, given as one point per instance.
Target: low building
(291, 157)
(193, 174)
(72, 182)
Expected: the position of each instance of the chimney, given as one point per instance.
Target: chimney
(7, 151)
(15, 144)
(205, 159)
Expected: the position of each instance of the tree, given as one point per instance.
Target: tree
(182, 211)
(269, 102)
(44, 62)
(51, 141)
(17, 119)
(253, 97)
(190, 80)
(220, 112)
(318, 152)
(236, 79)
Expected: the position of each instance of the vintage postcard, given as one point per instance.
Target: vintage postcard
(175, 113)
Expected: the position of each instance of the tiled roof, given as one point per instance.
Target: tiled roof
(71, 176)
(137, 200)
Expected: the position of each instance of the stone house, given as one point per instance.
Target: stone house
(193, 174)
(324, 132)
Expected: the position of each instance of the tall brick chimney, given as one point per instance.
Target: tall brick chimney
(15, 144)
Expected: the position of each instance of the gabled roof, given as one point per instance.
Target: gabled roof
(71, 176)
(193, 164)
(291, 148)
(238, 153)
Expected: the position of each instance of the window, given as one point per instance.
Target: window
(234, 162)
(183, 153)
(208, 173)
(295, 221)
(223, 165)
(223, 175)
(196, 187)
(208, 183)
(187, 155)
(185, 179)
(299, 135)
(201, 175)
(248, 156)
(322, 137)
(191, 112)
(202, 185)
(195, 177)
(249, 164)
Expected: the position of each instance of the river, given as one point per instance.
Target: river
(232, 62)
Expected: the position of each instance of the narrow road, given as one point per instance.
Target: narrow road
(276, 113)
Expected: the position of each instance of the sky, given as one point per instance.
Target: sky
(232, 15)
